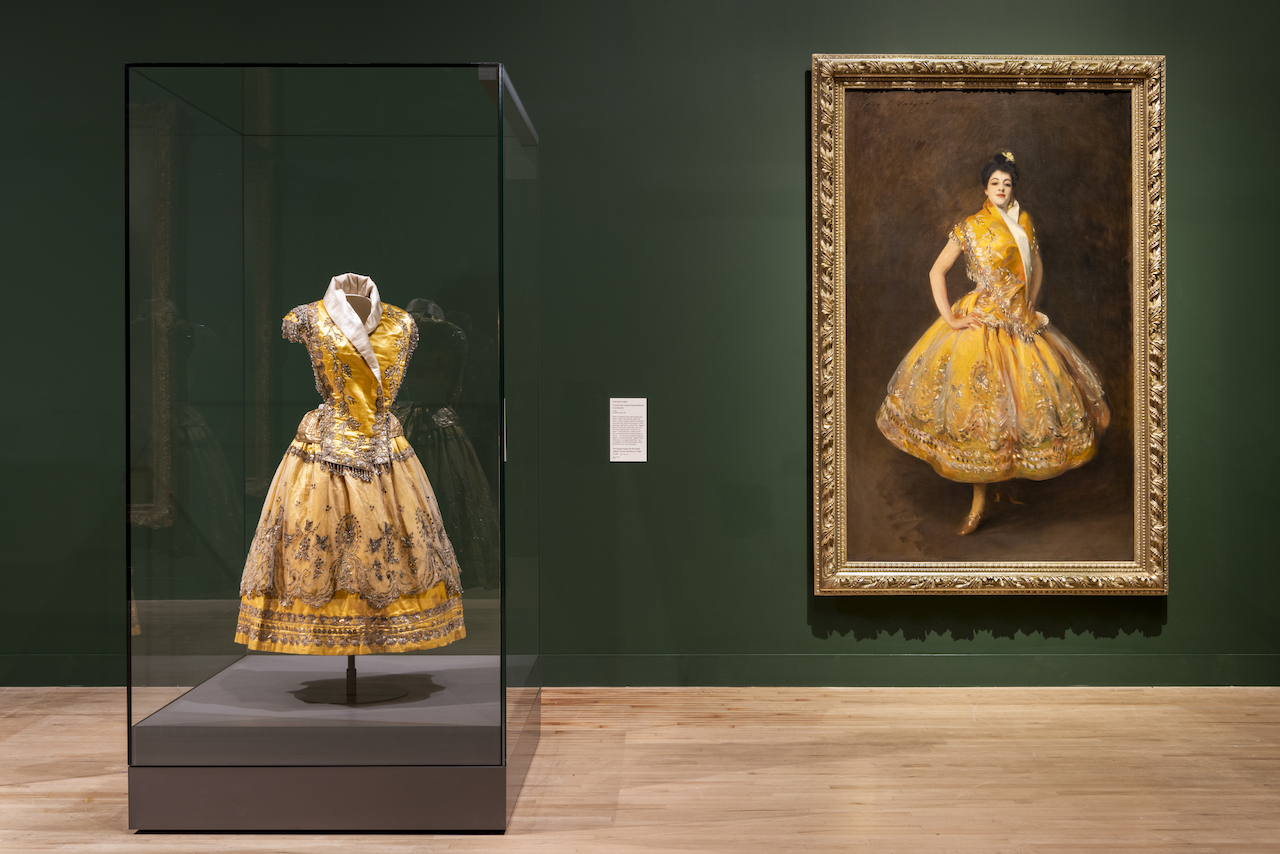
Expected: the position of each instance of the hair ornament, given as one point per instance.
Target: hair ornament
(1007, 155)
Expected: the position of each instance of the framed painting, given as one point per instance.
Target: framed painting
(988, 321)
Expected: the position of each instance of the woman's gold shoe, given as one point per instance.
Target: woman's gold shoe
(971, 523)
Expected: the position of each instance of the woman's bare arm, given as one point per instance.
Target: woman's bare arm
(1033, 287)
(938, 283)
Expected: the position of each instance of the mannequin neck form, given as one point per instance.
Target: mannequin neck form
(361, 305)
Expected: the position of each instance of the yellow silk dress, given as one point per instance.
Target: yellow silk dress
(350, 555)
(1014, 399)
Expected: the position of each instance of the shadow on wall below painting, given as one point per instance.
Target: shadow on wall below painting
(963, 617)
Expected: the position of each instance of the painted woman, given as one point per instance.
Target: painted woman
(992, 392)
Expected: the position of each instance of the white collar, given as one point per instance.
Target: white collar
(342, 314)
(1010, 218)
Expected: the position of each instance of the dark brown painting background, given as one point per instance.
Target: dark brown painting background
(913, 167)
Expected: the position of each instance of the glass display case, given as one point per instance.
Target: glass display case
(333, 533)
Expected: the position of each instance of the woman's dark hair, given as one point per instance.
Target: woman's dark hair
(1002, 162)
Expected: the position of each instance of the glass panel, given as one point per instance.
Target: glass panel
(392, 173)
(186, 343)
(520, 375)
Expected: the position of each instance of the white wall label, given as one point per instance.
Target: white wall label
(628, 429)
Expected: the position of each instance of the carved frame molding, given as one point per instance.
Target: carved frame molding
(1144, 76)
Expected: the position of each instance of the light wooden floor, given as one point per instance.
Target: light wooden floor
(765, 770)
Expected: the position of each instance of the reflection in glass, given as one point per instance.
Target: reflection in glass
(207, 516)
(426, 409)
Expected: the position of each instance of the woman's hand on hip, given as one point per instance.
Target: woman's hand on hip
(968, 321)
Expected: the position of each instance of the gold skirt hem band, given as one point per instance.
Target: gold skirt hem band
(348, 625)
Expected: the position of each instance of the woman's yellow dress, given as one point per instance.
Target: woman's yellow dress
(350, 555)
(1012, 399)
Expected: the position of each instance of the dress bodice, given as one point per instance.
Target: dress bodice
(995, 265)
(354, 427)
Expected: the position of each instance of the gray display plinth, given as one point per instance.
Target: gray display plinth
(334, 798)
(258, 712)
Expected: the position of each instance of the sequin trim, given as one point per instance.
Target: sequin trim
(363, 474)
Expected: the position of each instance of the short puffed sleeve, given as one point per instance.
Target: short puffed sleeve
(296, 326)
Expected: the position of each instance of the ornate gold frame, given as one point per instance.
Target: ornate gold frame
(834, 574)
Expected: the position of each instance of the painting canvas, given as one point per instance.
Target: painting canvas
(988, 326)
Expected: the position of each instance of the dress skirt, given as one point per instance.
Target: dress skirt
(996, 403)
(349, 562)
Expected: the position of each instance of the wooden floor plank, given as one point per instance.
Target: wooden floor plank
(621, 771)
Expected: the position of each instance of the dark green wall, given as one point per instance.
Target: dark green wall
(674, 267)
